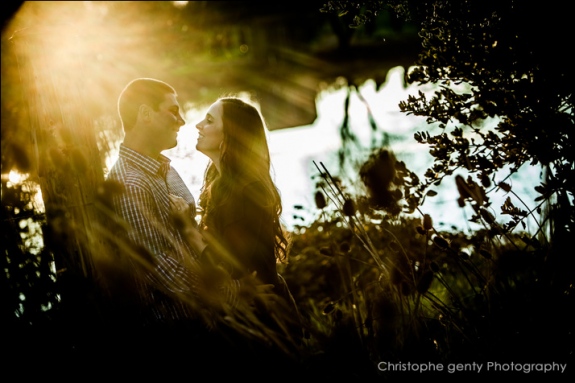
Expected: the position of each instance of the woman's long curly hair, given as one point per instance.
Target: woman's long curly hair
(244, 158)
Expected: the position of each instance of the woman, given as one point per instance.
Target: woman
(239, 202)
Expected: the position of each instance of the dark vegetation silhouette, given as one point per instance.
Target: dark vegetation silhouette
(376, 280)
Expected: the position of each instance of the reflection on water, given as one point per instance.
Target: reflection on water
(294, 151)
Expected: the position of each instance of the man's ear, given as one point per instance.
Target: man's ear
(144, 113)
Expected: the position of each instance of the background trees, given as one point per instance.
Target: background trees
(374, 282)
(504, 101)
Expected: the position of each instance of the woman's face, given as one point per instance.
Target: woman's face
(211, 131)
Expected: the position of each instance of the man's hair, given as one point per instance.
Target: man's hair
(140, 91)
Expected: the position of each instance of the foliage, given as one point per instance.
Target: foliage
(362, 12)
(398, 289)
(378, 285)
(373, 282)
(492, 65)
(513, 77)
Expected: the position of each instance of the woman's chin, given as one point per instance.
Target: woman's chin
(201, 149)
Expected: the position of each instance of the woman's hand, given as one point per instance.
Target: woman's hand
(182, 211)
(195, 239)
(178, 205)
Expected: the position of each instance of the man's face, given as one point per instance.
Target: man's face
(166, 122)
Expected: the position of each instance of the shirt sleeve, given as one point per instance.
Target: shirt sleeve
(166, 268)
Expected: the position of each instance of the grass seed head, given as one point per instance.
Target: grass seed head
(427, 222)
(348, 207)
(441, 242)
(320, 201)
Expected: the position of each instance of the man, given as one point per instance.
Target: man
(151, 119)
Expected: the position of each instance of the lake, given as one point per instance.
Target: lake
(294, 150)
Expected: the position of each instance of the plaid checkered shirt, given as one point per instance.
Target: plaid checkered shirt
(145, 207)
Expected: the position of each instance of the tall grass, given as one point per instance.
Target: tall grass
(380, 284)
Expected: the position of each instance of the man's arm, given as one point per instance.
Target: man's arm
(173, 268)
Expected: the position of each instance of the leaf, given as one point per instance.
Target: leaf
(539, 189)
(505, 186)
(487, 216)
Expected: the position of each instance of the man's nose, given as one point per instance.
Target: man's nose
(181, 120)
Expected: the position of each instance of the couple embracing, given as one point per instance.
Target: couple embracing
(223, 249)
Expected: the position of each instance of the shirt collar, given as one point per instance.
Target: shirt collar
(148, 164)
